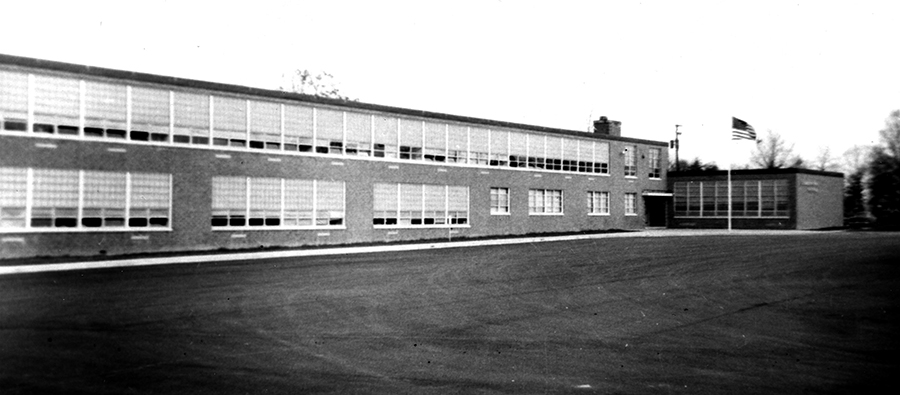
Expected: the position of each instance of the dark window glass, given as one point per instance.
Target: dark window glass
(137, 222)
(140, 135)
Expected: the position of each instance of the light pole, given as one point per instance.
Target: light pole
(674, 144)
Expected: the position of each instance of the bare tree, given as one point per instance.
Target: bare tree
(772, 152)
(855, 159)
(825, 161)
(303, 81)
(696, 165)
(890, 135)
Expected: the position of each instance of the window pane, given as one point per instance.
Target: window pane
(192, 111)
(359, 134)
(298, 128)
(458, 144)
(265, 125)
(229, 193)
(14, 100)
(680, 191)
(385, 197)
(104, 189)
(57, 96)
(330, 202)
(329, 131)
(13, 193)
(436, 136)
(104, 101)
(709, 199)
(149, 107)
(298, 202)
(478, 146)
(385, 144)
(458, 208)
(230, 118)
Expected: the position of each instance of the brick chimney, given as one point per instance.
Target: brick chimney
(605, 126)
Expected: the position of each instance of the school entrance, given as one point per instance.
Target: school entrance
(655, 208)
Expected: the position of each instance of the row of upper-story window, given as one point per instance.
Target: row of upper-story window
(64, 106)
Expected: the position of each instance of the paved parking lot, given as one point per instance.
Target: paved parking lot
(812, 312)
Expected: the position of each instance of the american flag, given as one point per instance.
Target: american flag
(741, 130)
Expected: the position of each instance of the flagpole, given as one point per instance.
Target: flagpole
(731, 148)
(740, 130)
(729, 196)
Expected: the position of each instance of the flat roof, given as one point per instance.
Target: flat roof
(716, 173)
(291, 96)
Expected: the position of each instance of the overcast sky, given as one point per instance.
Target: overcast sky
(820, 73)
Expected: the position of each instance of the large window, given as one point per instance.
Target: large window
(359, 134)
(750, 199)
(150, 115)
(479, 142)
(457, 144)
(630, 203)
(435, 142)
(499, 148)
(653, 163)
(410, 139)
(298, 128)
(105, 108)
(14, 101)
(51, 199)
(630, 161)
(598, 202)
(386, 137)
(57, 105)
(229, 122)
(191, 118)
(545, 202)
(499, 201)
(265, 125)
(329, 131)
(275, 203)
(414, 205)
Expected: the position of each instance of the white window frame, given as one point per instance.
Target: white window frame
(421, 209)
(79, 226)
(497, 210)
(281, 226)
(600, 209)
(544, 199)
(631, 204)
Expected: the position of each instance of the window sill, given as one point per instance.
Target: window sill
(501, 214)
(598, 214)
(547, 214)
(275, 228)
(732, 217)
(83, 230)
(421, 226)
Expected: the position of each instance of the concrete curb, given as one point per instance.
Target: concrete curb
(241, 256)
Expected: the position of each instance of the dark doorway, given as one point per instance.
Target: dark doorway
(655, 207)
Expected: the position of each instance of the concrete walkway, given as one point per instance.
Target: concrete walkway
(242, 256)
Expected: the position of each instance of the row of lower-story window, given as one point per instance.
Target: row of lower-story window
(55, 105)
(82, 199)
(749, 199)
(53, 198)
(550, 202)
